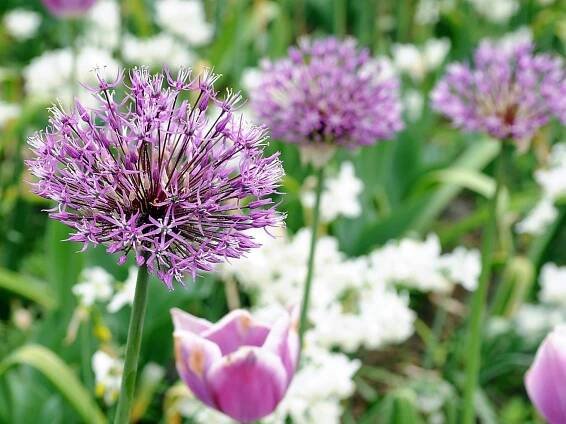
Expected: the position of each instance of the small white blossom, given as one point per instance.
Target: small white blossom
(102, 25)
(413, 103)
(108, 375)
(553, 284)
(186, 19)
(125, 295)
(418, 61)
(538, 219)
(54, 74)
(462, 266)
(340, 195)
(161, 49)
(21, 24)
(95, 284)
(495, 11)
(8, 112)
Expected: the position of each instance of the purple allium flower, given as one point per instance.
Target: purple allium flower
(237, 366)
(328, 92)
(546, 379)
(149, 172)
(68, 8)
(510, 92)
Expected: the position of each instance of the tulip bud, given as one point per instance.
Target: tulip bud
(237, 366)
(546, 379)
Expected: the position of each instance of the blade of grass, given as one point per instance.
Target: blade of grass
(60, 375)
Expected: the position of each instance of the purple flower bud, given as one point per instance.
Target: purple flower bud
(237, 366)
(546, 379)
(68, 8)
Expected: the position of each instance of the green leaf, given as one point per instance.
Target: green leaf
(61, 376)
(464, 178)
(26, 287)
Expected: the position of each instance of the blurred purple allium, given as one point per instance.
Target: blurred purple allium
(328, 92)
(545, 380)
(149, 172)
(237, 366)
(68, 8)
(510, 92)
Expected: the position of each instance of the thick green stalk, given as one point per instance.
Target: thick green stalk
(340, 17)
(133, 344)
(312, 252)
(479, 299)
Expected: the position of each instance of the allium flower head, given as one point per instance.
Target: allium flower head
(509, 92)
(176, 182)
(328, 92)
(68, 8)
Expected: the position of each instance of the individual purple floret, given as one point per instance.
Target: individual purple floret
(510, 92)
(177, 182)
(328, 92)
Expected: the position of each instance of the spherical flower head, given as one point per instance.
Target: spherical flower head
(509, 92)
(176, 182)
(328, 92)
(237, 366)
(68, 8)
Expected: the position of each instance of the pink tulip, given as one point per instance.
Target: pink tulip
(68, 8)
(546, 379)
(237, 366)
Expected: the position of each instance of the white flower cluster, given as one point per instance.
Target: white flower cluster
(552, 181)
(495, 11)
(354, 303)
(186, 19)
(108, 375)
(8, 112)
(339, 196)
(184, 26)
(533, 321)
(53, 75)
(49, 76)
(416, 61)
(21, 24)
(97, 285)
(553, 284)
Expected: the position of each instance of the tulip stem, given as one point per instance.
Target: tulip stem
(312, 252)
(479, 298)
(133, 344)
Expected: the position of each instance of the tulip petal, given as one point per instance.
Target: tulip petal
(235, 330)
(248, 384)
(546, 379)
(187, 322)
(194, 357)
(283, 341)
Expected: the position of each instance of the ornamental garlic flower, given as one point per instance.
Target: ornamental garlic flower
(545, 378)
(328, 93)
(149, 172)
(237, 366)
(68, 8)
(510, 92)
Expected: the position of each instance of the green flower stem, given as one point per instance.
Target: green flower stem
(340, 17)
(133, 344)
(479, 299)
(310, 266)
